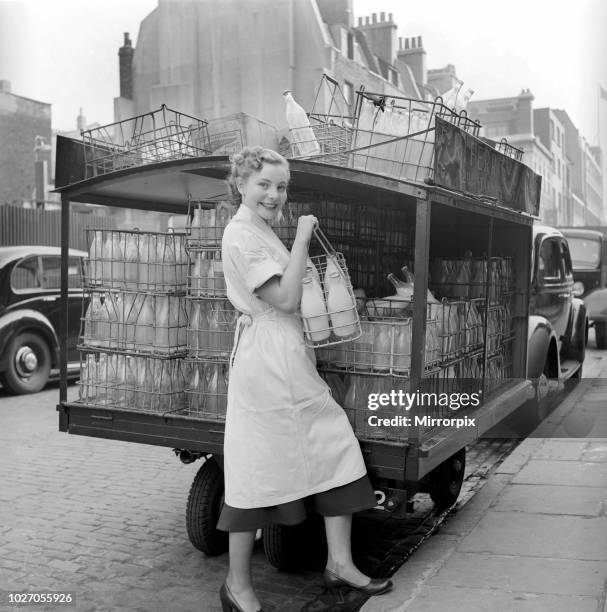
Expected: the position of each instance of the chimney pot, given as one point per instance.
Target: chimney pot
(389, 16)
(400, 43)
(127, 40)
(367, 20)
(382, 16)
(374, 17)
(413, 43)
(360, 21)
(419, 42)
(407, 43)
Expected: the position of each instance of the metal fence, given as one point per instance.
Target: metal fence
(21, 226)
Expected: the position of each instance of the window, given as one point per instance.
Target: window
(549, 261)
(558, 168)
(586, 252)
(26, 275)
(350, 45)
(51, 272)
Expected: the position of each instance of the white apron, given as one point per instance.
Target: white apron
(285, 436)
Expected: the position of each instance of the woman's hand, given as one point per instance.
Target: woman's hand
(306, 224)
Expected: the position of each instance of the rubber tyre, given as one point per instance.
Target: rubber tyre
(296, 547)
(12, 380)
(445, 481)
(204, 506)
(600, 331)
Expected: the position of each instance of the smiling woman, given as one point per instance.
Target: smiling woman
(288, 446)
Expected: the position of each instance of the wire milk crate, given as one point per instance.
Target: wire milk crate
(159, 135)
(328, 304)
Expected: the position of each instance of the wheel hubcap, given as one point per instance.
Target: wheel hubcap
(26, 361)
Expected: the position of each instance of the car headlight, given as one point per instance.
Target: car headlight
(578, 289)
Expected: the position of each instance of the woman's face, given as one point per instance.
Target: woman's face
(265, 192)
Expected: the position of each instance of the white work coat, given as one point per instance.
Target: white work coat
(285, 436)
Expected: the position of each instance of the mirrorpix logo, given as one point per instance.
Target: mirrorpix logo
(406, 401)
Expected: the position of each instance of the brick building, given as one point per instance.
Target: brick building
(25, 132)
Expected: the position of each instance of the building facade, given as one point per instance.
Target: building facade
(196, 57)
(25, 155)
(571, 171)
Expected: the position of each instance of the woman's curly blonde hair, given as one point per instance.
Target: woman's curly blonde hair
(249, 160)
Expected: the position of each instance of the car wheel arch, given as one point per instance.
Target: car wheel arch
(20, 322)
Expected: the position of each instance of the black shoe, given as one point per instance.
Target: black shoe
(375, 586)
(228, 602)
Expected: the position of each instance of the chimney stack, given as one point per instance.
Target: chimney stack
(381, 36)
(125, 55)
(5, 86)
(414, 56)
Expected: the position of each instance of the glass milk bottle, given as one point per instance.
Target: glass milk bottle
(332, 268)
(144, 384)
(402, 347)
(131, 256)
(193, 329)
(144, 277)
(106, 261)
(314, 312)
(341, 306)
(179, 321)
(95, 265)
(162, 341)
(196, 227)
(181, 262)
(168, 277)
(130, 382)
(103, 324)
(144, 331)
(194, 388)
(211, 400)
(91, 321)
(382, 347)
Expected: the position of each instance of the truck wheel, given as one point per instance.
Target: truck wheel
(28, 364)
(600, 331)
(204, 505)
(445, 481)
(296, 547)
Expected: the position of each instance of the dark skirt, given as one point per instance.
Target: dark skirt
(352, 497)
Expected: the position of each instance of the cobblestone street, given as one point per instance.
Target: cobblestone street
(105, 519)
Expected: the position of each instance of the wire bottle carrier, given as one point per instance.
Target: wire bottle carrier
(212, 318)
(160, 135)
(328, 305)
(384, 134)
(133, 326)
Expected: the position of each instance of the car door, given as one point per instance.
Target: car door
(554, 284)
(51, 284)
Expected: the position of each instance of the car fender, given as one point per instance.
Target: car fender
(17, 321)
(578, 331)
(596, 304)
(540, 337)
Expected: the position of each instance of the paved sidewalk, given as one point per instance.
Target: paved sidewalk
(534, 538)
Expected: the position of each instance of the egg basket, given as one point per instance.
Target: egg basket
(339, 321)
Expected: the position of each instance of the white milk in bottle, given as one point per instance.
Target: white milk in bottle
(314, 312)
(341, 306)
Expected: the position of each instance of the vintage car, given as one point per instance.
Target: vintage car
(558, 324)
(589, 257)
(30, 311)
